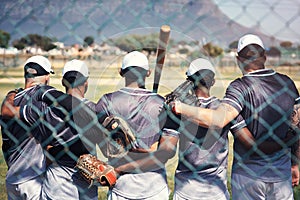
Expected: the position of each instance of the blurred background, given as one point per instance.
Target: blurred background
(102, 32)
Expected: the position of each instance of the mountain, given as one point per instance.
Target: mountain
(70, 21)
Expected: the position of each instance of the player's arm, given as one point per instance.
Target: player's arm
(150, 161)
(261, 146)
(8, 110)
(257, 146)
(218, 118)
(48, 93)
(295, 148)
(295, 130)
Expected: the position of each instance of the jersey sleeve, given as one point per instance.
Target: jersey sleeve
(235, 95)
(101, 108)
(40, 118)
(170, 132)
(237, 124)
(297, 101)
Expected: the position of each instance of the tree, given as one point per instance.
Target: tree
(4, 39)
(129, 43)
(88, 41)
(150, 43)
(212, 50)
(19, 44)
(183, 51)
(45, 43)
(233, 45)
(286, 44)
(273, 52)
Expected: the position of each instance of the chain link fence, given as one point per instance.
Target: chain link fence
(100, 33)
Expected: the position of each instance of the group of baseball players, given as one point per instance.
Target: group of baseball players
(42, 140)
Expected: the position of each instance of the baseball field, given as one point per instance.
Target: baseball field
(104, 78)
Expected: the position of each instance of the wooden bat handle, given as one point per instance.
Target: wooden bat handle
(161, 54)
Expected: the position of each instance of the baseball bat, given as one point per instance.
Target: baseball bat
(161, 54)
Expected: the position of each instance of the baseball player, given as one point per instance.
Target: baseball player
(62, 180)
(265, 99)
(202, 167)
(22, 152)
(140, 108)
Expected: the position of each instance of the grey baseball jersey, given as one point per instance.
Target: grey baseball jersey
(202, 167)
(61, 180)
(140, 108)
(265, 99)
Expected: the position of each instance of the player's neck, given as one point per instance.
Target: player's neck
(76, 92)
(134, 84)
(31, 83)
(202, 92)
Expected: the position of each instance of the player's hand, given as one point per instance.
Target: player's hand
(176, 107)
(295, 175)
(7, 108)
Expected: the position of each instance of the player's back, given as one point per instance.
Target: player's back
(266, 105)
(140, 109)
(23, 153)
(202, 161)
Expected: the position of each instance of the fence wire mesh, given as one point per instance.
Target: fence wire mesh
(54, 129)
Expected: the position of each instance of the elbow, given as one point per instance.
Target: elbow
(215, 124)
(170, 154)
(219, 122)
(164, 155)
(219, 125)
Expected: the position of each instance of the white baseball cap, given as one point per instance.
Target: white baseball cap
(135, 59)
(199, 64)
(42, 62)
(247, 40)
(76, 66)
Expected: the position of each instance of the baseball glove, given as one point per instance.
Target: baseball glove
(95, 171)
(121, 138)
(184, 93)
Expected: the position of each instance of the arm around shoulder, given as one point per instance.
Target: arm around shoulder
(218, 118)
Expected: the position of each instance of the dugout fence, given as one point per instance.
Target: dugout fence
(101, 33)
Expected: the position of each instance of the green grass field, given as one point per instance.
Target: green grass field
(104, 78)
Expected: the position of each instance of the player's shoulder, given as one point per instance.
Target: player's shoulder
(40, 89)
(158, 96)
(105, 97)
(155, 98)
(287, 81)
(45, 88)
(285, 77)
(90, 104)
(103, 102)
(238, 83)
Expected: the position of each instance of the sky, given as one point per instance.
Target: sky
(67, 21)
(280, 18)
